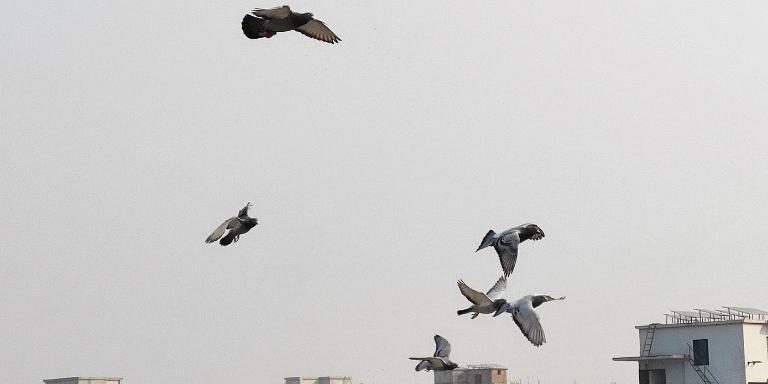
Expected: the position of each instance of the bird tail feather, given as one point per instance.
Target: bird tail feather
(463, 311)
(253, 27)
(487, 240)
(227, 240)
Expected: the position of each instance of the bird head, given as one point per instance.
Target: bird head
(244, 212)
(531, 231)
(502, 308)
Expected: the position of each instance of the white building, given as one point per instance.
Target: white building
(725, 346)
(473, 374)
(319, 380)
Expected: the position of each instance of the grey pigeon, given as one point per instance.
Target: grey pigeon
(483, 302)
(526, 318)
(439, 361)
(237, 226)
(506, 243)
(267, 22)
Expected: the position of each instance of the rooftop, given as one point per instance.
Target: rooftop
(700, 315)
(483, 366)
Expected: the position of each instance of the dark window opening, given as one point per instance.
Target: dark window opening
(653, 376)
(701, 352)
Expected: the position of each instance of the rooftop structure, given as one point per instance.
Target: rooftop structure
(728, 345)
(708, 315)
(473, 374)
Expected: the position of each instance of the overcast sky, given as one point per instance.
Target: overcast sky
(634, 133)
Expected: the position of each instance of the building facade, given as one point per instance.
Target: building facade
(319, 380)
(728, 346)
(473, 374)
(85, 380)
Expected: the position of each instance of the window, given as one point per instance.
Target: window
(701, 352)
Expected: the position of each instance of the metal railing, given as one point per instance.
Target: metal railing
(703, 371)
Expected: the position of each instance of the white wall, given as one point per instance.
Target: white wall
(756, 348)
(726, 350)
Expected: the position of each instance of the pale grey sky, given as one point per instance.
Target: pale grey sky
(633, 133)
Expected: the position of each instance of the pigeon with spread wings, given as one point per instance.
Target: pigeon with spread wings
(268, 22)
(506, 243)
(439, 361)
(483, 302)
(237, 226)
(526, 318)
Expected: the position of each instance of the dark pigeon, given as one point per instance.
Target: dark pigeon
(439, 361)
(506, 243)
(267, 22)
(237, 226)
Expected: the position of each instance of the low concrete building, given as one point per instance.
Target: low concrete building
(319, 380)
(728, 346)
(473, 374)
(85, 380)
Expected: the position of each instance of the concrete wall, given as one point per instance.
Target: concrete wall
(302, 380)
(85, 380)
(674, 370)
(726, 350)
(756, 348)
(335, 380)
(498, 376)
(468, 376)
(319, 380)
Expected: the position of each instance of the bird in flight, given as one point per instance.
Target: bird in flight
(237, 225)
(526, 318)
(267, 22)
(483, 302)
(506, 243)
(439, 361)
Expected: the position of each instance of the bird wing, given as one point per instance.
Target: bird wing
(528, 321)
(497, 289)
(427, 362)
(477, 298)
(422, 365)
(442, 347)
(273, 13)
(506, 248)
(316, 29)
(219, 231)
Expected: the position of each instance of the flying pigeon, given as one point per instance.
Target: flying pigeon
(440, 361)
(506, 243)
(483, 302)
(237, 226)
(526, 318)
(267, 22)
